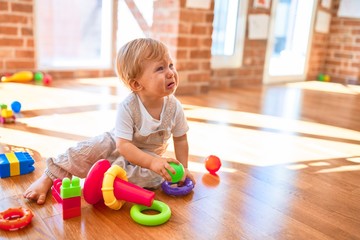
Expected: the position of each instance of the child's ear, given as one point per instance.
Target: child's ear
(135, 85)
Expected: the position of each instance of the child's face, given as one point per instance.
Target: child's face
(159, 78)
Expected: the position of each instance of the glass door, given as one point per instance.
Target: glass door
(288, 43)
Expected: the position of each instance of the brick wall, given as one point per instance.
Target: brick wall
(188, 34)
(338, 52)
(16, 35)
(342, 60)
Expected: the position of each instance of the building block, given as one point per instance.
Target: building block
(71, 213)
(15, 163)
(70, 206)
(71, 188)
(55, 190)
(4, 166)
(69, 203)
(26, 162)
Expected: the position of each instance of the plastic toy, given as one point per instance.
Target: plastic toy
(179, 172)
(38, 77)
(71, 188)
(47, 79)
(108, 187)
(6, 116)
(68, 194)
(151, 220)
(15, 218)
(113, 188)
(323, 77)
(178, 190)
(15, 163)
(23, 76)
(212, 164)
(16, 106)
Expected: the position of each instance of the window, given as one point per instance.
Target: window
(134, 20)
(73, 34)
(228, 33)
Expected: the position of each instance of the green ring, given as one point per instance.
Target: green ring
(151, 220)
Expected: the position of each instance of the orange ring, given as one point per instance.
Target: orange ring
(15, 218)
(108, 186)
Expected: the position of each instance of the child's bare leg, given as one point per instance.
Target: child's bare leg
(39, 189)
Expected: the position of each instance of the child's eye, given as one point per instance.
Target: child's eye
(171, 66)
(160, 68)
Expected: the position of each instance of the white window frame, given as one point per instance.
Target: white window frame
(234, 60)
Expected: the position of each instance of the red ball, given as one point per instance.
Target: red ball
(47, 79)
(212, 164)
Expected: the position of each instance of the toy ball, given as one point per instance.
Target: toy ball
(16, 106)
(212, 164)
(47, 79)
(38, 76)
(179, 172)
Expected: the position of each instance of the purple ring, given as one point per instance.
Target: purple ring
(178, 191)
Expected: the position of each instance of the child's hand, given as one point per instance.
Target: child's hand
(187, 175)
(161, 165)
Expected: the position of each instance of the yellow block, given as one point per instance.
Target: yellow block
(6, 113)
(14, 164)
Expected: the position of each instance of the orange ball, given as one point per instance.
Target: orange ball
(212, 164)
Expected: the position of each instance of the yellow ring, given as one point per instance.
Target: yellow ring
(108, 187)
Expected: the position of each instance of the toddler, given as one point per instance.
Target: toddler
(145, 121)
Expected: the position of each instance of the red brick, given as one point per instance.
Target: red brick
(4, 6)
(26, 31)
(24, 53)
(19, 7)
(19, 64)
(8, 30)
(11, 42)
(10, 18)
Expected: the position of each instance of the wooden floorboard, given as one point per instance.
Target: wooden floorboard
(290, 161)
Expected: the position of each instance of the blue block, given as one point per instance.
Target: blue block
(4, 166)
(26, 162)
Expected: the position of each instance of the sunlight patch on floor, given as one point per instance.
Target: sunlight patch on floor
(261, 148)
(101, 82)
(87, 124)
(200, 168)
(326, 87)
(34, 97)
(270, 122)
(347, 168)
(45, 145)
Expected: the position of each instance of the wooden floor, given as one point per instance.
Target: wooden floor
(290, 155)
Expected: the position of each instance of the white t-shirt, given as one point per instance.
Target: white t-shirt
(125, 121)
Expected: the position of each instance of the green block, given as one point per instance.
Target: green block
(70, 189)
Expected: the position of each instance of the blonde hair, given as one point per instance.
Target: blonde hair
(131, 57)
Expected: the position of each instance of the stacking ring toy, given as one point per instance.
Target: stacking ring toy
(151, 220)
(179, 190)
(108, 187)
(15, 218)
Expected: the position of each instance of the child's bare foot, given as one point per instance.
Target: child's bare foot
(39, 189)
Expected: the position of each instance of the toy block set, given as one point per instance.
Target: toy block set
(15, 163)
(68, 194)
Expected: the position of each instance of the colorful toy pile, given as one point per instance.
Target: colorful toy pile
(7, 115)
(28, 76)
